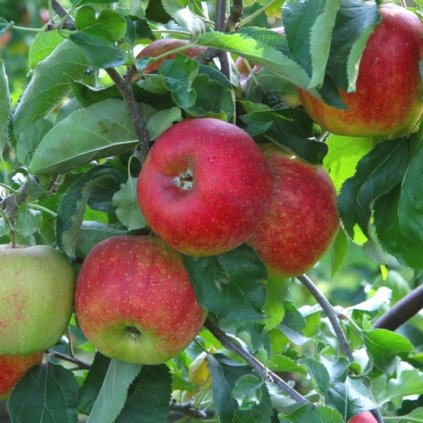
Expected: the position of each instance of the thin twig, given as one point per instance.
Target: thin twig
(124, 88)
(265, 373)
(188, 409)
(220, 26)
(330, 312)
(81, 364)
(402, 311)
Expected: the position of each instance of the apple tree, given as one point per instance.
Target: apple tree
(291, 200)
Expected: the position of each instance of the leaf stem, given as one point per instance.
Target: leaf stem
(264, 373)
(402, 311)
(41, 208)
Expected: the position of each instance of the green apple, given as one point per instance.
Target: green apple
(36, 294)
(13, 367)
(134, 300)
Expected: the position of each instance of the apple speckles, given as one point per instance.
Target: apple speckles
(143, 295)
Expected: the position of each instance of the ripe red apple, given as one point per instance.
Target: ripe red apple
(302, 219)
(13, 367)
(134, 300)
(366, 417)
(36, 295)
(163, 45)
(204, 186)
(387, 100)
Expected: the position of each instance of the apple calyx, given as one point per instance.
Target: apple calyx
(185, 180)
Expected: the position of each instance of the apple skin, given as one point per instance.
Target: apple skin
(36, 295)
(302, 219)
(134, 300)
(204, 186)
(12, 368)
(162, 45)
(387, 100)
(366, 417)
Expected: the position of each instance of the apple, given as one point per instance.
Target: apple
(302, 219)
(163, 45)
(134, 300)
(204, 186)
(366, 417)
(36, 294)
(13, 367)
(387, 100)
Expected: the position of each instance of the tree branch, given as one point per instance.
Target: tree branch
(402, 311)
(188, 409)
(220, 26)
(81, 364)
(330, 312)
(235, 15)
(264, 373)
(124, 88)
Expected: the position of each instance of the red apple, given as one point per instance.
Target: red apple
(387, 100)
(204, 186)
(135, 302)
(302, 219)
(36, 296)
(12, 368)
(366, 417)
(163, 45)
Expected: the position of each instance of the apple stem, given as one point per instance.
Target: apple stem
(260, 368)
(124, 88)
(402, 311)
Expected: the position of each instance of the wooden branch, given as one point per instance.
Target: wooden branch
(235, 15)
(81, 364)
(402, 311)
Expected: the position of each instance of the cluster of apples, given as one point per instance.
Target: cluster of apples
(36, 296)
(205, 188)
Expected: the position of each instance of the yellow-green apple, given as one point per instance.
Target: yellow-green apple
(365, 417)
(134, 300)
(387, 100)
(36, 295)
(163, 45)
(13, 367)
(302, 219)
(204, 186)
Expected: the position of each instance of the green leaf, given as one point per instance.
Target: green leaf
(247, 391)
(43, 45)
(409, 382)
(149, 397)
(114, 391)
(319, 374)
(406, 249)
(82, 2)
(4, 106)
(383, 345)
(293, 324)
(178, 76)
(282, 363)
(229, 284)
(257, 51)
(92, 384)
(184, 17)
(99, 51)
(338, 251)
(311, 413)
(355, 23)
(350, 398)
(376, 302)
(162, 120)
(72, 205)
(107, 24)
(50, 83)
(225, 374)
(85, 135)
(308, 26)
(127, 208)
(378, 173)
(28, 221)
(45, 394)
(276, 291)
